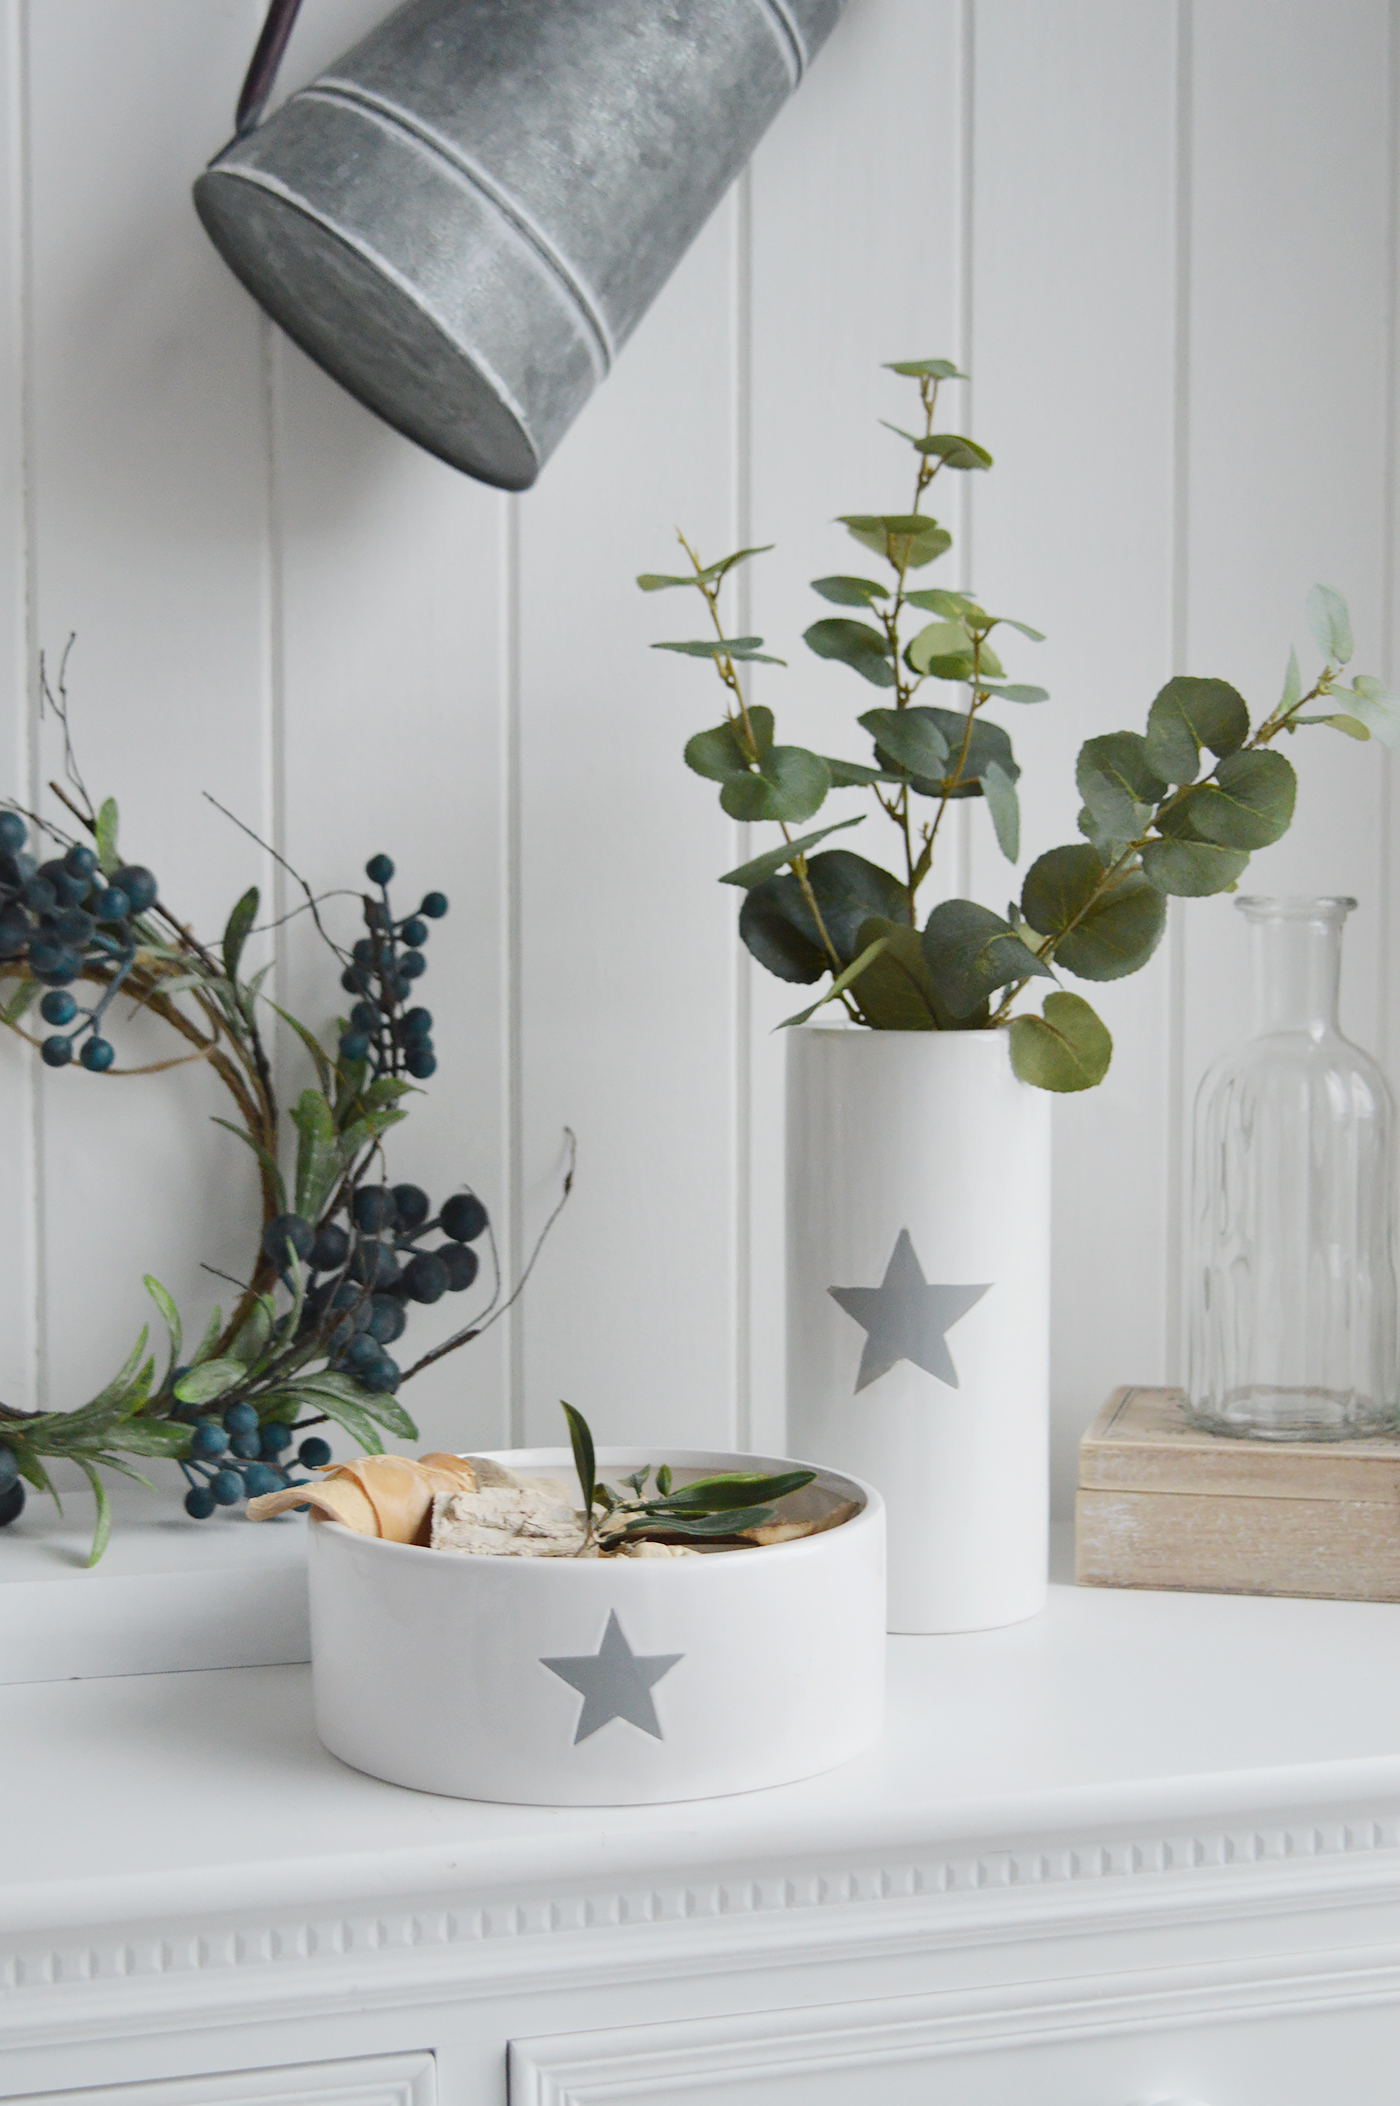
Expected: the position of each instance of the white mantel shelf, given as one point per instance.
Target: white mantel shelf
(1125, 1762)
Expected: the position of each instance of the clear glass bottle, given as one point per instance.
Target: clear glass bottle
(1292, 1276)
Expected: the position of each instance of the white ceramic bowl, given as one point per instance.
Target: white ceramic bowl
(602, 1682)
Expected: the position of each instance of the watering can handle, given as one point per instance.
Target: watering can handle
(262, 68)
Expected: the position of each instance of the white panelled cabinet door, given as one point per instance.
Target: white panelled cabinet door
(1310, 2034)
(367, 2080)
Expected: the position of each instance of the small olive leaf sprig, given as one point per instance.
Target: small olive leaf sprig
(709, 1508)
(1154, 825)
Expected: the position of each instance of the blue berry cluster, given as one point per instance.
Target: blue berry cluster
(387, 1037)
(63, 918)
(365, 1275)
(235, 1457)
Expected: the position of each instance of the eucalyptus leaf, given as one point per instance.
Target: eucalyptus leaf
(936, 599)
(654, 581)
(1250, 802)
(200, 1385)
(1015, 692)
(851, 775)
(986, 743)
(844, 979)
(865, 650)
(1067, 1048)
(910, 737)
(1188, 714)
(1350, 725)
(1373, 705)
(847, 890)
(1292, 685)
(789, 785)
(1058, 888)
(1330, 622)
(775, 859)
(744, 650)
(719, 754)
(1118, 932)
(1119, 786)
(896, 991)
(907, 540)
(850, 592)
(1192, 869)
(944, 651)
(970, 952)
(1005, 808)
(953, 451)
(925, 368)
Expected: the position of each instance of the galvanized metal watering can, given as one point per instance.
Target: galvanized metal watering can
(464, 219)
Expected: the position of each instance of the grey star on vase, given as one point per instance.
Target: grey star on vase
(614, 1682)
(905, 1318)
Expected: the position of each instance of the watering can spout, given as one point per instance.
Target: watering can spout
(466, 216)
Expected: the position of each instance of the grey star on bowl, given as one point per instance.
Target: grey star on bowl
(614, 1682)
(905, 1318)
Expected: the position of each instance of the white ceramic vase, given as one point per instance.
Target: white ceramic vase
(606, 1681)
(918, 1218)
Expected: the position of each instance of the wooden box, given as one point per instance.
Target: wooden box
(1161, 1504)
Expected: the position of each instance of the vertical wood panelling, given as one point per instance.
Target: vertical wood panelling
(627, 988)
(149, 521)
(1073, 245)
(1291, 273)
(856, 261)
(17, 1279)
(281, 601)
(392, 742)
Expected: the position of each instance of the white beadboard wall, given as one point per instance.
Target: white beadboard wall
(1161, 237)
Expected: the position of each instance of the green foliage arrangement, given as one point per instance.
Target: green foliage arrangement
(341, 1259)
(1176, 810)
(711, 1509)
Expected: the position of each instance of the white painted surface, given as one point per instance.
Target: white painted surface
(916, 1157)
(164, 1597)
(1162, 237)
(1136, 1849)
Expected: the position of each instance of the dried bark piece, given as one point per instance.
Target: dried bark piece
(507, 1520)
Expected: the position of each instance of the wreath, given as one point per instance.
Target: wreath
(343, 1255)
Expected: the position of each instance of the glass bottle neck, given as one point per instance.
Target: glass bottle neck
(1297, 964)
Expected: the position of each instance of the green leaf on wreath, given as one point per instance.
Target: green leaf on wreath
(106, 837)
(200, 1385)
(236, 930)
